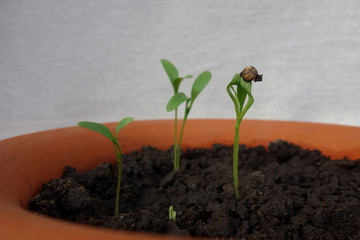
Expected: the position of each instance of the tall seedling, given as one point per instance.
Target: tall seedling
(242, 83)
(179, 97)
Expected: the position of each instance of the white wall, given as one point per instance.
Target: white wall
(71, 60)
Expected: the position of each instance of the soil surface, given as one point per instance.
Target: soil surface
(286, 192)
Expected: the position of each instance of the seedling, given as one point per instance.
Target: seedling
(103, 130)
(242, 81)
(178, 98)
(172, 213)
(175, 81)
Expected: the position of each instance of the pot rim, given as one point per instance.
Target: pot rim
(20, 178)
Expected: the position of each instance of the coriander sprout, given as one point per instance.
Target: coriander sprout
(103, 130)
(178, 98)
(243, 84)
(172, 213)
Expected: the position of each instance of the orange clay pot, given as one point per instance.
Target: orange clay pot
(28, 161)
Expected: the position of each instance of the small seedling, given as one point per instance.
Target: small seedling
(172, 213)
(242, 81)
(103, 130)
(175, 81)
(178, 98)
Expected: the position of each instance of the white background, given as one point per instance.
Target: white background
(70, 60)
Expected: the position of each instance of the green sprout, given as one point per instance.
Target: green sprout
(178, 98)
(172, 213)
(103, 130)
(242, 81)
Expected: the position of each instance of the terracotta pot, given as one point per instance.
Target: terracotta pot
(28, 161)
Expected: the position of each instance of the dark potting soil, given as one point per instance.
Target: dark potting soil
(285, 193)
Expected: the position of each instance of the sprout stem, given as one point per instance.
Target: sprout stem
(177, 164)
(236, 161)
(176, 144)
(119, 160)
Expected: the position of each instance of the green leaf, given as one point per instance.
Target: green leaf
(236, 79)
(188, 76)
(175, 101)
(97, 127)
(177, 81)
(243, 89)
(241, 96)
(245, 85)
(231, 91)
(123, 123)
(199, 84)
(170, 70)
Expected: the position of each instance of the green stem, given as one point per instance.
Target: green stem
(175, 142)
(119, 160)
(239, 117)
(236, 160)
(177, 160)
(181, 135)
